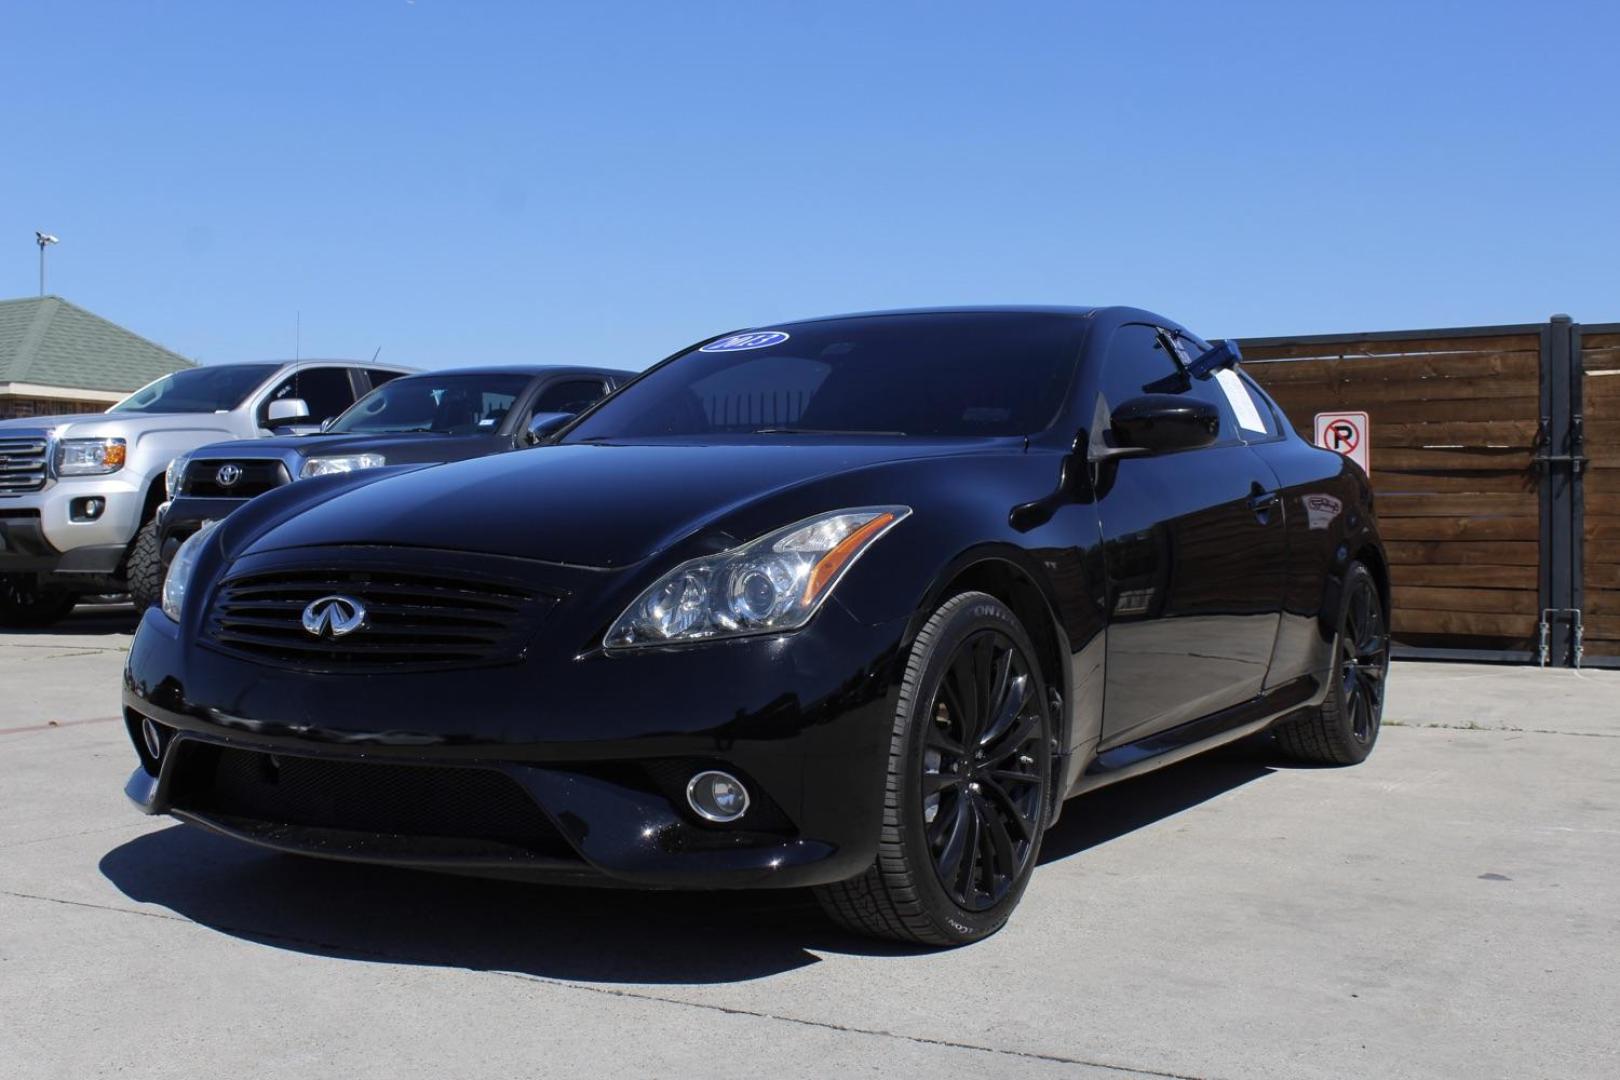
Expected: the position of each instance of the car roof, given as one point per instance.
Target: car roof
(526, 369)
(306, 361)
(1105, 318)
(972, 309)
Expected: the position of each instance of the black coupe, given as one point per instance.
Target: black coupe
(853, 603)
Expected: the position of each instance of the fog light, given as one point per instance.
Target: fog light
(717, 796)
(152, 736)
(88, 509)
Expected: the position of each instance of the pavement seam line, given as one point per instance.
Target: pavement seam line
(50, 724)
(847, 1029)
(1496, 730)
(71, 835)
(609, 991)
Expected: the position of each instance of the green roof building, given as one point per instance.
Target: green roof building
(57, 358)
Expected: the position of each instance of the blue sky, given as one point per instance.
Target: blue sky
(469, 182)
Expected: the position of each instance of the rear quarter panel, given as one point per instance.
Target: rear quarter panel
(1327, 504)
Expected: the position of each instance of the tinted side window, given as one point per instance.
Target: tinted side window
(1140, 363)
(327, 391)
(1235, 394)
(571, 396)
(1208, 389)
(379, 377)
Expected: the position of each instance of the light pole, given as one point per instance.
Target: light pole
(44, 240)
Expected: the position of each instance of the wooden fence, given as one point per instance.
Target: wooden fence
(1454, 422)
(1599, 410)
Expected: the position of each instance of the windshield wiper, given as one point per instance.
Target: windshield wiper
(818, 431)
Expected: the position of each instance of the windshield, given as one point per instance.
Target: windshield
(973, 373)
(198, 389)
(447, 404)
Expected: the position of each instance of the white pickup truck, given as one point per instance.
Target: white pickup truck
(77, 492)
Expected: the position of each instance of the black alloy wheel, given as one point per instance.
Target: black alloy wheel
(1344, 728)
(1363, 661)
(968, 787)
(982, 793)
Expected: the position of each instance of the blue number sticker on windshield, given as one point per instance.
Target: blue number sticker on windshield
(755, 339)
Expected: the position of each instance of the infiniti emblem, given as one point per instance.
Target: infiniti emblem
(228, 475)
(334, 616)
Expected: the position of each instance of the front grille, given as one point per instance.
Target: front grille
(22, 463)
(483, 809)
(203, 478)
(414, 619)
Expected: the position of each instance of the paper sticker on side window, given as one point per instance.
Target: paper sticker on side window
(1237, 395)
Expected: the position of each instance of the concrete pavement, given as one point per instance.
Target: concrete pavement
(1447, 909)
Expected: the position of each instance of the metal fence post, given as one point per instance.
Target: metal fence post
(1577, 493)
(1555, 459)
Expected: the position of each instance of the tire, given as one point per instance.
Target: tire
(144, 570)
(952, 821)
(1344, 728)
(25, 604)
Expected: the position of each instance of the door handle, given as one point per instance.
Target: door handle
(1262, 502)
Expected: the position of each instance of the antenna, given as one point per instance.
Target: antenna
(298, 335)
(376, 354)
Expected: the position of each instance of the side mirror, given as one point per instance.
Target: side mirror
(1163, 423)
(543, 425)
(286, 412)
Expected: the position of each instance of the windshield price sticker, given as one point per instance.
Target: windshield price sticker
(1237, 395)
(756, 339)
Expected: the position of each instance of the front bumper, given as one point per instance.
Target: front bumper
(588, 755)
(38, 532)
(185, 514)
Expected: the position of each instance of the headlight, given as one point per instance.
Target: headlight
(771, 585)
(175, 474)
(89, 457)
(181, 569)
(326, 466)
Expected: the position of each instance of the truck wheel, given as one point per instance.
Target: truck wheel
(25, 604)
(145, 568)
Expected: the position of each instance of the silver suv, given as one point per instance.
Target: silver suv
(76, 492)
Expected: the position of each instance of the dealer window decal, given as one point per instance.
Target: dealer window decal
(754, 339)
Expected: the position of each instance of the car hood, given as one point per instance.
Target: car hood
(599, 505)
(123, 425)
(47, 423)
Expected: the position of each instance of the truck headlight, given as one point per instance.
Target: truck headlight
(326, 466)
(89, 457)
(178, 580)
(770, 585)
(175, 475)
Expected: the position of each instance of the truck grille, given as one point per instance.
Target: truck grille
(22, 463)
(414, 619)
(205, 479)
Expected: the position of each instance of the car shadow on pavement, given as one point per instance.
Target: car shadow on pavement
(575, 934)
(1122, 808)
(86, 620)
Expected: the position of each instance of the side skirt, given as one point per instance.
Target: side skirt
(1196, 736)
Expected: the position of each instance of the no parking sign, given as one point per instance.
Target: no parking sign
(1345, 433)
